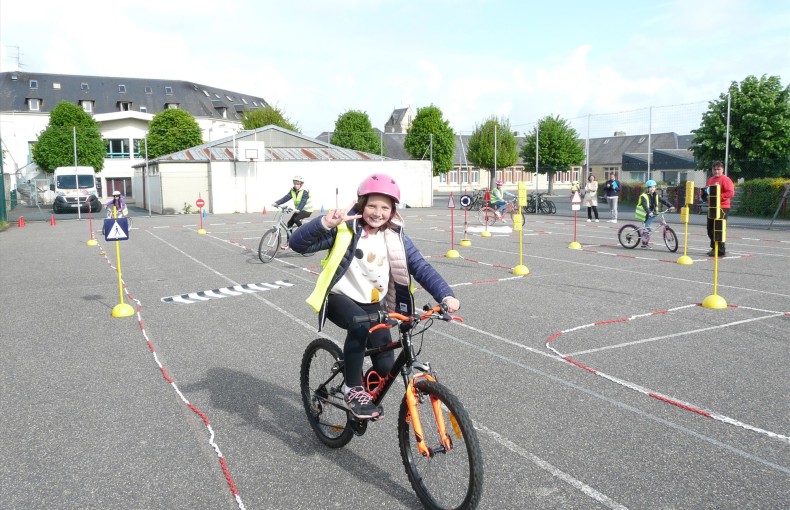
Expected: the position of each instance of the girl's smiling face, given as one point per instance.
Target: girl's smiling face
(377, 211)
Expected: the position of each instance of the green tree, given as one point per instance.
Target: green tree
(353, 130)
(429, 128)
(759, 130)
(269, 115)
(55, 144)
(172, 130)
(481, 151)
(559, 147)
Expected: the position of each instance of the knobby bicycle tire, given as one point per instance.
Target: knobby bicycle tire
(629, 236)
(670, 239)
(270, 243)
(444, 479)
(320, 363)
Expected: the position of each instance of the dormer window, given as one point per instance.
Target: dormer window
(171, 106)
(149, 90)
(85, 86)
(122, 89)
(33, 104)
(124, 106)
(33, 84)
(169, 90)
(87, 105)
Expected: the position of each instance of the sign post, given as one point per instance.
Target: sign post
(117, 229)
(453, 253)
(200, 203)
(576, 201)
(466, 201)
(520, 269)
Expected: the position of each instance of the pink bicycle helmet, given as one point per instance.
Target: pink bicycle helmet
(379, 183)
(499, 182)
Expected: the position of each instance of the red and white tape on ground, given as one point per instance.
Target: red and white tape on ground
(654, 394)
(173, 384)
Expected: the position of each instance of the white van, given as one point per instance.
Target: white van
(73, 184)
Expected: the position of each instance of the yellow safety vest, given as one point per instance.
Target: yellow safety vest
(330, 265)
(297, 197)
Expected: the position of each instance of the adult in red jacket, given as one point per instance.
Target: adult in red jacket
(726, 190)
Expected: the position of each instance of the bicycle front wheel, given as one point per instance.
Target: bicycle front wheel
(629, 236)
(270, 243)
(321, 381)
(446, 477)
(670, 239)
(552, 207)
(486, 215)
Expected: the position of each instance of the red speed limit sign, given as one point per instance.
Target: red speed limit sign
(200, 203)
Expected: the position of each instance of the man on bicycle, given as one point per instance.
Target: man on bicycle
(302, 206)
(121, 211)
(498, 196)
(646, 209)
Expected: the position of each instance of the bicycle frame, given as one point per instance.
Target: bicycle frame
(403, 366)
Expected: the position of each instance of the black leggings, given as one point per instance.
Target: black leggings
(297, 217)
(340, 310)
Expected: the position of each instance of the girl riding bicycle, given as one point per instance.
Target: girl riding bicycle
(121, 211)
(369, 266)
(646, 209)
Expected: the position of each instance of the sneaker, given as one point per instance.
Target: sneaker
(284, 247)
(713, 254)
(611, 221)
(646, 246)
(360, 403)
(588, 221)
(596, 220)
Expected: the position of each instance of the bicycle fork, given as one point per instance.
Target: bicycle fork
(414, 415)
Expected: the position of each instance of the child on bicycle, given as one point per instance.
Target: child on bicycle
(647, 208)
(302, 206)
(121, 211)
(369, 267)
(498, 196)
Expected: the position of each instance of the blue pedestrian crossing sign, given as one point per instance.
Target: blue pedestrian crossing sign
(116, 229)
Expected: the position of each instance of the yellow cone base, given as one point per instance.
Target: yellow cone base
(485, 233)
(201, 231)
(520, 270)
(575, 245)
(92, 242)
(685, 260)
(465, 242)
(452, 254)
(714, 301)
(122, 310)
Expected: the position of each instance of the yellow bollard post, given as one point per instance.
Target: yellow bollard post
(684, 218)
(520, 269)
(122, 309)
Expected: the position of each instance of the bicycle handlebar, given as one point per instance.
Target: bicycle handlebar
(383, 319)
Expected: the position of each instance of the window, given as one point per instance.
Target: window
(243, 100)
(143, 109)
(124, 185)
(33, 104)
(149, 90)
(169, 90)
(171, 106)
(117, 148)
(138, 148)
(124, 106)
(206, 93)
(87, 106)
(56, 85)
(229, 98)
(84, 86)
(122, 88)
(33, 84)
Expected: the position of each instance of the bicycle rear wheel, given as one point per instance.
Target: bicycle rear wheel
(486, 215)
(629, 236)
(270, 243)
(670, 239)
(321, 381)
(552, 207)
(445, 478)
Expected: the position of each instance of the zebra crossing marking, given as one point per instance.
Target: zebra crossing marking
(235, 290)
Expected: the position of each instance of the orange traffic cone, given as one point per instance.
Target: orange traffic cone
(52, 220)
(21, 222)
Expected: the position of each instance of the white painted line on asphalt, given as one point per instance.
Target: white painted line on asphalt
(553, 470)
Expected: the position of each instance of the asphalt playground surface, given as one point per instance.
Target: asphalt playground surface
(597, 381)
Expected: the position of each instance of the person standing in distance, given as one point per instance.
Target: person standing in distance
(726, 192)
(612, 190)
(590, 200)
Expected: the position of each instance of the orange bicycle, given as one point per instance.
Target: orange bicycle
(438, 443)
